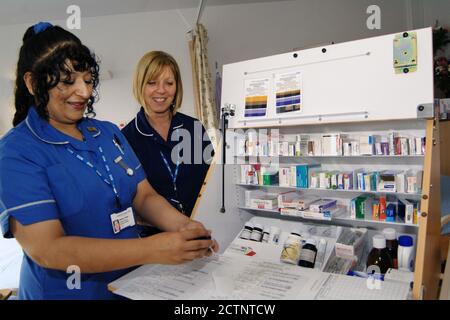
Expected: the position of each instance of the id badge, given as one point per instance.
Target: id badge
(122, 220)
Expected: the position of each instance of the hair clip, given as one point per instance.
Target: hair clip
(41, 26)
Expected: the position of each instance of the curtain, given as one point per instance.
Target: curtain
(202, 83)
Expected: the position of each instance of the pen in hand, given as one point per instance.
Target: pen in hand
(206, 238)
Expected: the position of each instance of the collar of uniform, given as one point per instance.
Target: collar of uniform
(145, 129)
(88, 127)
(45, 132)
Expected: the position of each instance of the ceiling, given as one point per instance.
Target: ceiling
(29, 11)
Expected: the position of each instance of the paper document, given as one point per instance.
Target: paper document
(288, 92)
(235, 276)
(256, 96)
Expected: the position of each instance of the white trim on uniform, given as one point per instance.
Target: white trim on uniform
(97, 134)
(137, 128)
(31, 129)
(30, 204)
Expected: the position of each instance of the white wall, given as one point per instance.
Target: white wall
(236, 33)
(119, 41)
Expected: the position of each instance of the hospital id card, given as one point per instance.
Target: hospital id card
(122, 220)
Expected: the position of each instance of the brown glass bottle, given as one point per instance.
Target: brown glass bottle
(379, 255)
(392, 245)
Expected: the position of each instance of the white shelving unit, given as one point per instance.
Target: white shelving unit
(347, 88)
(332, 191)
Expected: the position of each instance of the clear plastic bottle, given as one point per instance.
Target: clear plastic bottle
(379, 255)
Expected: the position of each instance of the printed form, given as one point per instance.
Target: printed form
(234, 276)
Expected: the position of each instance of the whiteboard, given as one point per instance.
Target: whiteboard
(346, 82)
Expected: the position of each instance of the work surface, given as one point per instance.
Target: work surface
(236, 276)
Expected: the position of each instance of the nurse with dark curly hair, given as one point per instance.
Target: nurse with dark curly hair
(70, 185)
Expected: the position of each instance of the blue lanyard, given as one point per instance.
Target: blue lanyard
(174, 179)
(109, 182)
(172, 175)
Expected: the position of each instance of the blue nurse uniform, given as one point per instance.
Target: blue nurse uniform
(159, 157)
(40, 180)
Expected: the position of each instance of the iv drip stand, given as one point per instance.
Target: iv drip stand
(227, 110)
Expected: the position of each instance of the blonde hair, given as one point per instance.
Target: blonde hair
(150, 67)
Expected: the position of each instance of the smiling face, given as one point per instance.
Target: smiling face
(68, 100)
(159, 93)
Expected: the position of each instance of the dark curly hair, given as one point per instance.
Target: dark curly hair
(45, 54)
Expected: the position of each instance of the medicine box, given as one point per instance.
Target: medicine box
(285, 177)
(387, 181)
(366, 145)
(322, 205)
(363, 207)
(303, 173)
(390, 212)
(268, 202)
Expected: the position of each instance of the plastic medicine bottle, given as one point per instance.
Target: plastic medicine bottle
(274, 235)
(405, 253)
(379, 255)
(291, 249)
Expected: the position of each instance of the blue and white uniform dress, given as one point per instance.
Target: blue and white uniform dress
(47, 175)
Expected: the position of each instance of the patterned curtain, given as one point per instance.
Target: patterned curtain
(204, 95)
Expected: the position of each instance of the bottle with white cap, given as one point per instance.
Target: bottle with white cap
(379, 256)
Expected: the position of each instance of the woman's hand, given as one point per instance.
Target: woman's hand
(192, 224)
(179, 247)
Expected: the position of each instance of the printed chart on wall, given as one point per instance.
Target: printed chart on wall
(288, 92)
(256, 93)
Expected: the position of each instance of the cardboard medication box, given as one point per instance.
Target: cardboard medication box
(268, 202)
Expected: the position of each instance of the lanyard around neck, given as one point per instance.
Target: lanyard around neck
(109, 182)
(173, 175)
(174, 180)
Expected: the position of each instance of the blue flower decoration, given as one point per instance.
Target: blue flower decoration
(41, 26)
